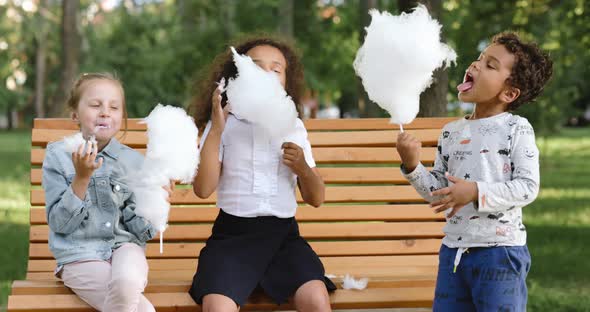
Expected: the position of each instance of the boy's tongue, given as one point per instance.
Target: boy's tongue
(465, 86)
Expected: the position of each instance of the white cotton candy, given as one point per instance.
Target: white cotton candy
(348, 282)
(172, 154)
(150, 197)
(397, 59)
(258, 96)
(172, 143)
(73, 142)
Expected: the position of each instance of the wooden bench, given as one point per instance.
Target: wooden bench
(372, 225)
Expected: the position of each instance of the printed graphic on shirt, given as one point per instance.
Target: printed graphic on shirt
(487, 129)
(527, 152)
(504, 151)
(523, 172)
(524, 130)
(461, 155)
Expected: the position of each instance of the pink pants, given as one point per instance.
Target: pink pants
(111, 286)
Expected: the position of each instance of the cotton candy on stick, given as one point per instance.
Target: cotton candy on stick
(397, 59)
(258, 96)
(172, 154)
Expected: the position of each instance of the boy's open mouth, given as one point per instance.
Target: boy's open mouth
(467, 83)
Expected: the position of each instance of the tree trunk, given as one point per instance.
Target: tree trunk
(228, 13)
(433, 101)
(286, 12)
(366, 107)
(70, 55)
(41, 61)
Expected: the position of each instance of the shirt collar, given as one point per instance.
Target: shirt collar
(112, 149)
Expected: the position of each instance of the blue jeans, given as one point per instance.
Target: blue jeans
(486, 279)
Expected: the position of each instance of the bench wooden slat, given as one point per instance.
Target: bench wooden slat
(133, 124)
(55, 287)
(364, 155)
(310, 124)
(383, 272)
(341, 299)
(304, 213)
(340, 230)
(374, 124)
(138, 139)
(378, 138)
(331, 175)
(334, 194)
(41, 137)
(333, 265)
(326, 155)
(329, 248)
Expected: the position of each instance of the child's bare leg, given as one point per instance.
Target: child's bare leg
(312, 296)
(219, 303)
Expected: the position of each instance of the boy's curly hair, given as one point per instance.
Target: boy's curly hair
(223, 66)
(531, 70)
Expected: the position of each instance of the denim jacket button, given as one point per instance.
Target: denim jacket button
(108, 224)
(117, 187)
(103, 182)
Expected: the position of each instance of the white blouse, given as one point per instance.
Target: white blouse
(254, 181)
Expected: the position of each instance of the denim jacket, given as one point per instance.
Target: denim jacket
(90, 229)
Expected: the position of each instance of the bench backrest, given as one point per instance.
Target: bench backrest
(371, 212)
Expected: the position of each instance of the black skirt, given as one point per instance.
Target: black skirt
(244, 254)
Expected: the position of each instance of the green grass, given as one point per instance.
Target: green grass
(14, 204)
(558, 222)
(558, 225)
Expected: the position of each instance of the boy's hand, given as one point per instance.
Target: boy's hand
(457, 196)
(294, 158)
(408, 148)
(85, 160)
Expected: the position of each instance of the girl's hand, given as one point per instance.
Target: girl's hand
(170, 189)
(408, 148)
(457, 196)
(85, 163)
(294, 158)
(218, 114)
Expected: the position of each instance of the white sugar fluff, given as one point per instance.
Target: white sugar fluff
(397, 59)
(73, 142)
(258, 96)
(172, 143)
(348, 282)
(172, 154)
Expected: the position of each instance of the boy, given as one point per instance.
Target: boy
(485, 172)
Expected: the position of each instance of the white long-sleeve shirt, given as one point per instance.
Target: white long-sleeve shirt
(254, 180)
(500, 154)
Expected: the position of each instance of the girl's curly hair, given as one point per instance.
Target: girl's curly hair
(223, 67)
